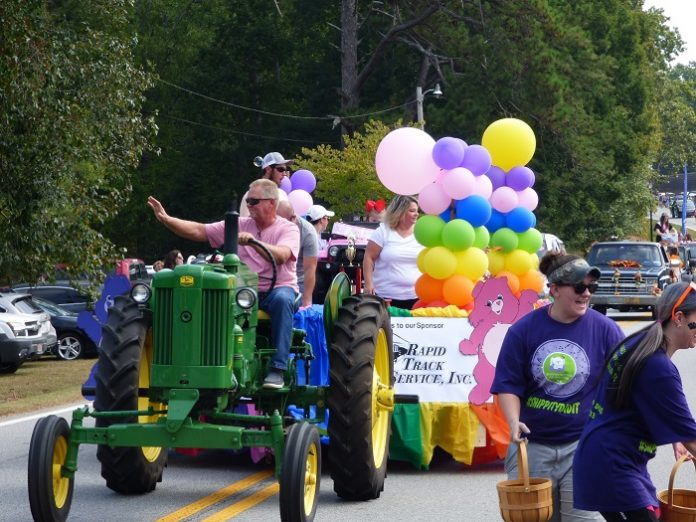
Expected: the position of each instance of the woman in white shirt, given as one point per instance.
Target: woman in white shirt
(389, 265)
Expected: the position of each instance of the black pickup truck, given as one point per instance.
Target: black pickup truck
(634, 273)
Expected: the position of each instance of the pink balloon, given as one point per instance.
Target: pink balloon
(504, 199)
(433, 199)
(404, 161)
(286, 185)
(458, 183)
(483, 186)
(300, 201)
(528, 198)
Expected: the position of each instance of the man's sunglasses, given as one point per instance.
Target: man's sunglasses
(255, 201)
(581, 287)
(282, 169)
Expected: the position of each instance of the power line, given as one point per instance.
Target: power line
(232, 131)
(335, 119)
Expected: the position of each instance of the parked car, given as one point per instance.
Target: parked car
(690, 206)
(25, 331)
(73, 341)
(634, 273)
(333, 258)
(63, 294)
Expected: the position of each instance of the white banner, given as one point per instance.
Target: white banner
(427, 360)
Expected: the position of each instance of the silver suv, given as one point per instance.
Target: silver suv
(25, 331)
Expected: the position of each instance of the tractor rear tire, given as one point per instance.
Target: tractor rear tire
(300, 476)
(124, 363)
(360, 397)
(50, 494)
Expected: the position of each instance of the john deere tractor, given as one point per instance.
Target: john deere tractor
(179, 355)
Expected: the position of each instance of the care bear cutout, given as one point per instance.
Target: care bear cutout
(495, 309)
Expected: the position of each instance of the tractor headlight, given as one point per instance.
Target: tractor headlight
(140, 293)
(246, 298)
(333, 251)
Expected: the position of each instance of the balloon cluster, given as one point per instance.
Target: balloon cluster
(479, 204)
(299, 187)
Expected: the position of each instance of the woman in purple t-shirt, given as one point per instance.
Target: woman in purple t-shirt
(640, 405)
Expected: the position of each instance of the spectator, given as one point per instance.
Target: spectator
(158, 265)
(173, 259)
(281, 238)
(375, 210)
(639, 405)
(318, 216)
(389, 265)
(274, 167)
(307, 258)
(674, 208)
(546, 372)
(663, 227)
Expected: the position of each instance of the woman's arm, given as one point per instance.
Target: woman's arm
(371, 254)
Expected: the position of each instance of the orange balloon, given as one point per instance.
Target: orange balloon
(532, 280)
(428, 288)
(457, 290)
(512, 280)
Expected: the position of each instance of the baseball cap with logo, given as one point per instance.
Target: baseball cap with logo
(274, 158)
(317, 212)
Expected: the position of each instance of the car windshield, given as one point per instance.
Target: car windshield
(50, 307)
(626, 256)
(25, 305)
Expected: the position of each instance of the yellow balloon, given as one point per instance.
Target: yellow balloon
(510, 141)
(518, 262)
(535, 261)
(439, 263)
(420, 260)
(496, 261)
(472, 263)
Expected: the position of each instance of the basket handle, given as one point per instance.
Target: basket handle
(670, 488)
(522, 467)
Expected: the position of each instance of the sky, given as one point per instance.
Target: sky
(682, 15)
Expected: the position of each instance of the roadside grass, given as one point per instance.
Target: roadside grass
(43, 384)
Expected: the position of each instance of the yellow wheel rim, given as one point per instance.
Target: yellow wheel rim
(310, 479)
(151, 453)
(61, 485)
(382, 398)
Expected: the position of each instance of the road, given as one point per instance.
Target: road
(448, 491)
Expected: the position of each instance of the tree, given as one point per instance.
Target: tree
(71, 133)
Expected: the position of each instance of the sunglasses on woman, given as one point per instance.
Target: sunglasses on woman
(282, 169)
(581, 287)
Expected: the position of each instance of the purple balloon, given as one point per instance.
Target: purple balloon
(448, 152)
(303, 180)
(497, 176)
(285, 185)
(477, 159)
(519, 178)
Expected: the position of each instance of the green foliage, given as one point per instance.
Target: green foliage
(70, 132)
(346, 178)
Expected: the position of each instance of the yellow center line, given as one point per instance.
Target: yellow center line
(213, 498)
(244, 504)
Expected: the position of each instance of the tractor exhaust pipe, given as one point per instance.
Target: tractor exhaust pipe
(231, 229)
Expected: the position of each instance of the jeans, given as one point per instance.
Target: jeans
(553, 461)
(280, 305)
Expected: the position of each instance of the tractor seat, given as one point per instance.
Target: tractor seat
(263, 315)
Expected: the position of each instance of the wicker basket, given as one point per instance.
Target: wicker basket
(525, 499)
(677, 505)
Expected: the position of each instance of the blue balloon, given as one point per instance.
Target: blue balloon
(496, 221)
(520, 219)
(446, 215)
(474, 209)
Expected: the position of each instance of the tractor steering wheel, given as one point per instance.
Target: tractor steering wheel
(274, 265)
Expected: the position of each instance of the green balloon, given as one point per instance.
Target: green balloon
(505, 238)
(428, 230)
(481, 237)
(530, 240)
(458, 235)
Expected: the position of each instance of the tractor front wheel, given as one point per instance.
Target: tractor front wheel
(50, 494)
(361, 397)
(124, 369)
(301, 474)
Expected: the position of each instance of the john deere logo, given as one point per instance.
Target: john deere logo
(186, 280)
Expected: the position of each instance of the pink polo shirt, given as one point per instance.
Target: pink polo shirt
(281, 232)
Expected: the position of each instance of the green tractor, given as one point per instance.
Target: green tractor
(178, 355)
